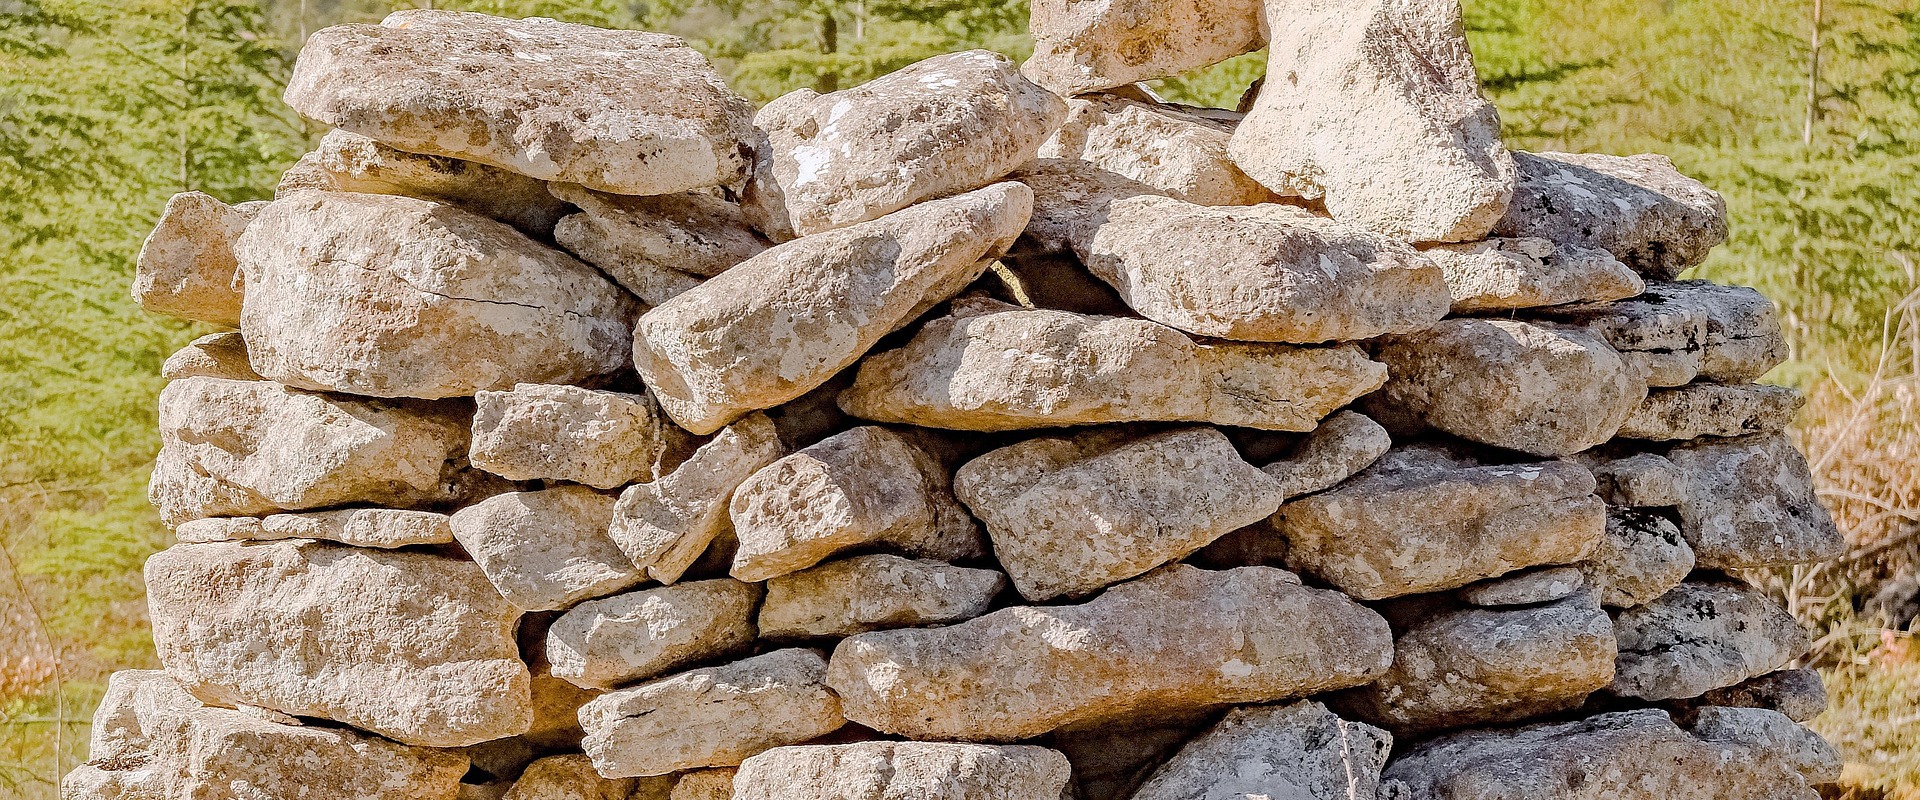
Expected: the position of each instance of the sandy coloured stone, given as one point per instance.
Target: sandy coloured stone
(1293, 751)
(186, 266)
(665, 525)
(1177, 639)
(1264, 273)
(566, 433)
(874, 592)
(659, 246)
(712, 717)
(865, 486)
(1654, 219)
(620, 111)
(360, 527)
(1685, 330)
(567, 777)
(945, 125)
(1712, 409)
(1081, 47)
(355, 163)
(903, 771)
(215, 355)
(1639, 480)
(991, 367)
(1380, 115)
(547, 549)
(416, 647)
(1799, 694)
(639, 635)
(785, 321)
(1703, 635)
(1750, 502)
(1179, 150)
(1070, 515)
(1342, 446)
(1070, 201)
(1500, 274)
(1526, 587)
(1642, 557)
(704, 784)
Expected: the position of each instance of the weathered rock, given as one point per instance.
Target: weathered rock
(1679, 331)
(1525, 588)
(1379, 114)
(1177, 639)
(1070, 201)
(153, 740)
(186, 266)
(874, 592)
(567, 777)
(1294, 751)
(548, 549)
(1085, 47)
(1643, 556)
(1056, 281)
(360, 527)
(1542, 390)
(1265, 273)
(645, 243)
(665, 525)
(713, 717)
(619, 111)
(1774, 734)
(1799, 694)
(866, 486)
(215, 355)
(706, 784)
(783, 322)
(1341, 447)
(1178, 150)
(639, 635)
(1703, 635)
(253, 447)
(1640, 480)
(1712, 409)
(1502, 274)
(354, 163)
(948, 124)
(1071, 515)
(418, 648)
(1750, 502)
(1422, 520)
(565, 433)
(1111, 761)
(989, 366)
(1639, 208)
(903, 771)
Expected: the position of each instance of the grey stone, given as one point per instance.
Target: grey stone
(1712, 409)
(1641, 209)
(1639, 480)
(1525, 588)
(1703, 635)
(1750, 502)
(1298, 751)
(1685, 330)
(1799, 694)
(1642, 557)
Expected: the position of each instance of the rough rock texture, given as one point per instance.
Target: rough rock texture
(656, 247)
(1639, 208)
(1750, 502)
(1081, 47)
(1542, 390)
(1703, 635)
(903, 771)
(215, 355)
(1179, 150)
(186, 266)
(1525, 588)
(565, 433)
(1422, 520)
(360, 527)
(1640, 480)
(354, 163)
(567, 777)
(415, 647)
(664, 526)
(1294, 751)
(1797, 693)
(1265, 273)
(990, 366)
(1342, 446)
(874, 592)
(1070, 201)
(1677, 332)
(1642, 557)
(947, 124)
(1071, 515)
(1177, 639)
(781, 324)
(621, 111)
(1712, 409)
(1380, 114)
(1501, 274)
(548, 549)
(1775, 735)
(631, 637)
(713, 717)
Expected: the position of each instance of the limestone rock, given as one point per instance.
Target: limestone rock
(547, 549)
(567, 777)
(1178, 150)
(1380, 114)
(903, 771)
(1525, 588)
(1679, 331)
(355, 163)
(1798, 694)
(650, 245)
(360, 527)
(1111, 761)
(620, 111)
(1422, 520)
(991, 367)
(1071, 515)
(1084, 47)
(1774, 734)
(1642, 557)
(713, 717)
(1640, 480)
(640, 635)
(1177, 639)
(1750, 502)
(1703, 635)
(215, 355)
(1712, 409)
(1542, 390)
(1501, 274)
(415, 647)
(1341, 447)
(705, 784)
(186, 267)
(665, 525)
(948, 124)
(874, 592)
(1639, 208)
(565, 433)
(1293, 751)
(1070, 201)
(783, 322)
(1265, 273)
(866, 486)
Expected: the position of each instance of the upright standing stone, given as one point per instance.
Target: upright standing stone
(903, 771)
(1299, 751)
(665, 525)
(186, 266)
(1081, 47)
(548, 549)
(1641, 209)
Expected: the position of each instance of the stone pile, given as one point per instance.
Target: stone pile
(979, 433)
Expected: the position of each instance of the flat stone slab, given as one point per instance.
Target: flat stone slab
(1712, 409)
(656, 247)
(1342, 446)
(1703, 635)
(1086, 47)
(1501, 274)
(349, 162)
(1641, 209)
(644, 634)
(566, 433)
(1750, 502)
(903, 770)
(360, 527)
(1299, 750)
(874, 592)
(1680, 331)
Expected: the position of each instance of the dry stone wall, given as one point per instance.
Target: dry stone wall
(977, 433)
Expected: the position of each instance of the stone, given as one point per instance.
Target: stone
(1774, 734)
(785, 321)
(1423, 520)
(627, 112)
(1546, 391)
(705, 784)
(1642, 557)
(152, 739)
(665, 525)
(1503, 274)
(548, 549)
(1703, 635)
(992, 367)
(1639, 208)
(1681, 331)
(416, 647)
(874, 592)
(567, 777)
(656, 247)
(1340, 448)
(866, 486)
(1639, 480)
(1750, 502)
(355, 163)
(246, 448)
(1380, 115)
(1034, 279)
(1525, 588)
(1799, 694)
(566, 433)
(1086, 47)
(1070, 201)
(1179, 150)
(1265, 273)
(644, 634)
(186, 267)
(903, 771)
(215, 355)
(1300, 751)
(712, 717)
(1712, 409)
(360, 527)
(1070, 515)
(1177, 639)
(949, 124)
(1110, 762)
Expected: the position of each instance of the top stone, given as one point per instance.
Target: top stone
(626, 112)
(1081, 47)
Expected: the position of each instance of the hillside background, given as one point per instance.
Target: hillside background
(108, 108)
